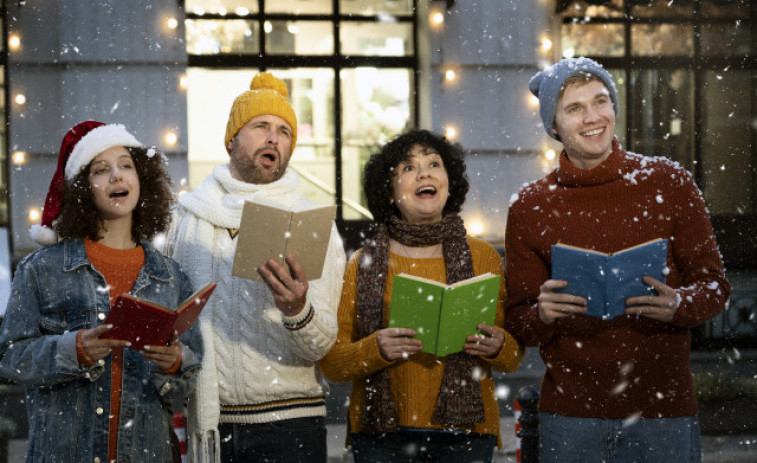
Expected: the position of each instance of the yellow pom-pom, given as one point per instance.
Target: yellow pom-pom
(266, 80)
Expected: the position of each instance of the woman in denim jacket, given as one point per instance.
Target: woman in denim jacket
(92, 399)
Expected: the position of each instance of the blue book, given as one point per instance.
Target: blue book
(607, 280)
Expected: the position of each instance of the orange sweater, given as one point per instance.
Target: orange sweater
(120, 269)
(416, 381)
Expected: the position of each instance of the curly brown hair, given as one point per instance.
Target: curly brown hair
(80, 218)
(379, 171)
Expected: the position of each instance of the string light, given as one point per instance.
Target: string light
(450, 132)
(546, 44)
(183, 82)
(19, 158)
(14, 42)
(172, 23)
(34, 214)
(170, 138)
(476, 228)
(20, 99)
(450, 75)
(437, 18)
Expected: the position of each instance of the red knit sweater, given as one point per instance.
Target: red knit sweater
(629, 366)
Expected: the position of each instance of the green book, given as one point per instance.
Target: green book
(443, 315)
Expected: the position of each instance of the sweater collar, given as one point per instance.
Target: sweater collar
(610, 170)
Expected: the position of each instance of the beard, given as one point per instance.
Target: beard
(248, 168)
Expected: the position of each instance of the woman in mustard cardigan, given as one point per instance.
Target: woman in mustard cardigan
(405, 404)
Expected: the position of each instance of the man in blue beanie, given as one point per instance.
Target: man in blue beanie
(617, 389)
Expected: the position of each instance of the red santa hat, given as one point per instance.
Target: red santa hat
(80, 146)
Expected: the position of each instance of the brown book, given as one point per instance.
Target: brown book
(268, 232)
(143, 322)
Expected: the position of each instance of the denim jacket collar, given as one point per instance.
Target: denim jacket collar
(75, 256)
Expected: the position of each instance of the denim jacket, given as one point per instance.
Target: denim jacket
(56, 292)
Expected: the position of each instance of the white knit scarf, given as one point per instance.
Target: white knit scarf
(216, 203)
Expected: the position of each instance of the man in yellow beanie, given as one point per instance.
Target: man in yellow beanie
(259, 394)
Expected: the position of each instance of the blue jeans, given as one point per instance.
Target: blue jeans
(646, 440)
(294, 440)
(421, 445)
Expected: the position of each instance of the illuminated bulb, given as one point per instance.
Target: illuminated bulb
(550, 154)
(34, 214)
(267, 27)
(292, 28)
(437, 18)
(14, 42)
(546, 44)
(19, 158)
(172, 23)
(450, 75)
(533, 99)
(183, 82)
(476, 228)
(171, 138)
(242, 11)
(20, 99)
(450, 132)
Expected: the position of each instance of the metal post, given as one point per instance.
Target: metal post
(528, 431)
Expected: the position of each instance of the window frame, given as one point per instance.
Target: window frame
(353, 231)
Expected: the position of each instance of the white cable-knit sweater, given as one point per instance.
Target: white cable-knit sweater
(254, 369)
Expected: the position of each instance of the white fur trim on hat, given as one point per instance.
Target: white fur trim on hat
(95, 142)
(43, 235)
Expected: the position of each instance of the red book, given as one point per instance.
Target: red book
(144, 322)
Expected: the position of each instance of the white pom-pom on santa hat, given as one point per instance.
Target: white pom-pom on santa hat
(79, 147)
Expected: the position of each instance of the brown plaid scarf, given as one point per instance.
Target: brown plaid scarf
(459, 403)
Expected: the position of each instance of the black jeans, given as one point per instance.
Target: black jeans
(411, 445)
(296, 440)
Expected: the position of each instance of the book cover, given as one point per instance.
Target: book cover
(443, 315)
(143, 322)
(270, 232)
(607, 280)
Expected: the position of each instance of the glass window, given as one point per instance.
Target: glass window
(726, 8)
(298, 6)
(312, 97)
(299, 37)
(732, 39)
(619, 77)
(379, 108)
(377, 39)
(657, 40)
(661, 8)
(210, 37)
(581, 9)
(222, 7)
(727, 102)
(592, 40)
(376, 7)
(347, 103)
(662, 108)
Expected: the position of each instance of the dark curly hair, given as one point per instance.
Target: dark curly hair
(380, 169)
(79, 217)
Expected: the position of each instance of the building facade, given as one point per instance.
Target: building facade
(361, 71)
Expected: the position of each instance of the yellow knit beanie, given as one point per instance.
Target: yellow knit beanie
(267, 95)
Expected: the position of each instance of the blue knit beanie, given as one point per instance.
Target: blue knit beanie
(547, 84)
